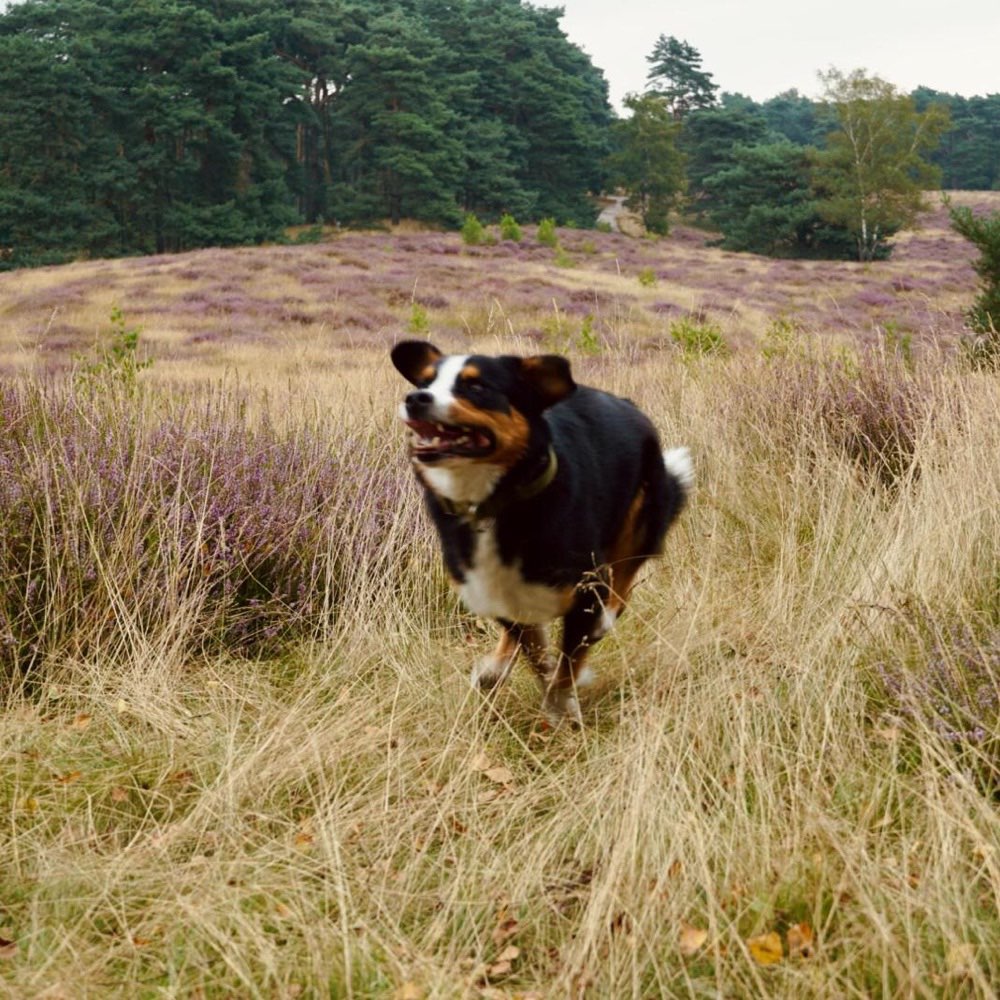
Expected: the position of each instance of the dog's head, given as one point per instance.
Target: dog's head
(470, 408)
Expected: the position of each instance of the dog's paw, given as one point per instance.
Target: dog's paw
(562, 705)
(489, 672)
(604, 624)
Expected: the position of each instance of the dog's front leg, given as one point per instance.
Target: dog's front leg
(489, 672)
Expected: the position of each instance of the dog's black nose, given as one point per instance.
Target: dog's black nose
(418, 402)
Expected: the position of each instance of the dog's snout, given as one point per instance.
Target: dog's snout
(419, 401)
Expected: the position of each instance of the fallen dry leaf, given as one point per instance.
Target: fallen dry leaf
(305, 837)
(68, 779)
(408, 991)
(29, 804)
(766, 948)
(480, 762)
(691, 938)
(119, 794)
(504, 930)
(504, 963)
(500, 775)
(800, 941)
(81, 721)
(8, 946)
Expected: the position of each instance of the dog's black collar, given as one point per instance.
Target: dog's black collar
(504, 496)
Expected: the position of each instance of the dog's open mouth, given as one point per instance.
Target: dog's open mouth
(431, 441)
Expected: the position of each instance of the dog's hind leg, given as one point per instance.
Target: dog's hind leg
(624, 562)
(534, 641)
(572, 673)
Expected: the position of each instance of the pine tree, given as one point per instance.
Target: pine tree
(675, 74)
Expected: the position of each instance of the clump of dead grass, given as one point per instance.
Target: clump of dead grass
(349, 819)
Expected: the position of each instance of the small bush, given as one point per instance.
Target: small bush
(588, 340)
(948, 684)
(119, 360)
(473, 232)
(869, 405)
(898, 342)
(780, 339)
(982, 345)
(419, 322)
(547, 234)
(647, 277)
(698, 337)
(509, 229)
(131, 512)
(563, 259)
(309, 235)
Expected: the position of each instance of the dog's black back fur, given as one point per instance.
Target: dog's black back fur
(607, 451)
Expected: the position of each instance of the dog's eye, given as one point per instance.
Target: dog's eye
(473, 385)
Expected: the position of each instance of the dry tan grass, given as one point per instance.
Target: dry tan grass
(351, 820)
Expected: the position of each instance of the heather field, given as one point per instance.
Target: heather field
(239, 755)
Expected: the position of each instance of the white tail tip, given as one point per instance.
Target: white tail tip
(680, 466)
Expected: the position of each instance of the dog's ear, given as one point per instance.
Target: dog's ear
(549, 377)
(413, 358)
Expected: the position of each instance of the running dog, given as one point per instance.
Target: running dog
(548, 497)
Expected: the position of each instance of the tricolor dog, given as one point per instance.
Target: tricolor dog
(548, 497)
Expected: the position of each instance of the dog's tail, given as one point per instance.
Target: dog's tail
(681, 467)
(667, 481)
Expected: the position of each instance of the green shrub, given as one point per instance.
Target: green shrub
(982, 345)
(509, 229)
(473, 233)
(563, 259)
(588, 341)
(418, 319)
(547, 235)
(698, 336)
(780, 339)
(119, 361)
(647, 277)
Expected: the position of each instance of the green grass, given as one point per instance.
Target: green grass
(348, 818)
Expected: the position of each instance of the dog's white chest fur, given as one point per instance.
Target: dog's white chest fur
(494, 589)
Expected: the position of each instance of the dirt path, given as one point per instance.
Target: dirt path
(619, 218)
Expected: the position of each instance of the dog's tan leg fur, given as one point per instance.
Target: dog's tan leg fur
(489, 672)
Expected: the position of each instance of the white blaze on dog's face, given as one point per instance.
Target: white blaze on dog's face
(470, 416)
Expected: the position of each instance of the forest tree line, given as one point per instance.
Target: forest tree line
(169, 124)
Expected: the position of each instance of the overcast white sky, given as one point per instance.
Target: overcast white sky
(763, 47)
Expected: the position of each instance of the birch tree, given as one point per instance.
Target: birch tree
(872, 175)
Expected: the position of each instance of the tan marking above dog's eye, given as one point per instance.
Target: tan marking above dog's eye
(427, 374)
(470, 373)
